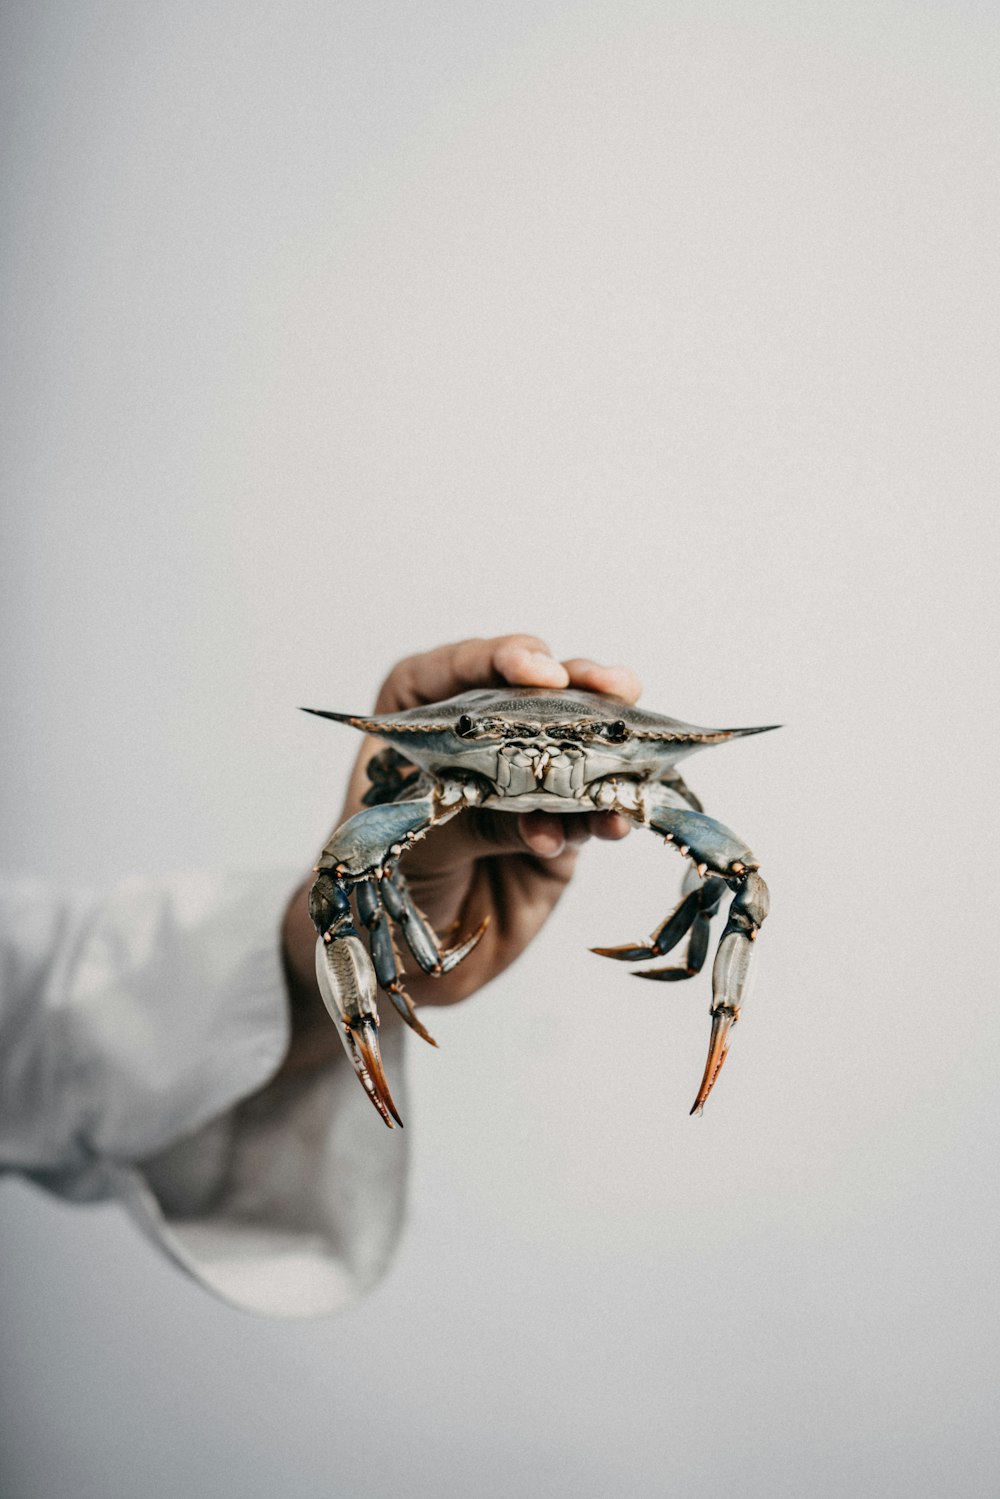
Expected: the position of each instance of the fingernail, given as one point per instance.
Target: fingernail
(548, 663)
(546, 848)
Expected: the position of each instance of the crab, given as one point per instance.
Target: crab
(520, 749)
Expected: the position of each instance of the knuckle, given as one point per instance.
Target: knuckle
(400, 669)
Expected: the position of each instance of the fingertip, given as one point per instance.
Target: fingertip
(542, 835)
(628, 687)
(614, 681)
(527, 666)
(546, 845)
(577, 830)
(611, 827)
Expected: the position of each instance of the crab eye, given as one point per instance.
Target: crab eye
(617, 731)
(465, 726)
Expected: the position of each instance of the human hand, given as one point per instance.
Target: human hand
(511, 868)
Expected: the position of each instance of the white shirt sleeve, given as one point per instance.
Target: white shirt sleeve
(138, 1037)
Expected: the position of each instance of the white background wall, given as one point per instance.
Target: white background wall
(666, 330)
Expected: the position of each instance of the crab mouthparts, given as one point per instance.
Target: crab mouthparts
(551, 766)
(541, 759)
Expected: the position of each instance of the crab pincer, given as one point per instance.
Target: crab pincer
(347, 983)
(731, 974)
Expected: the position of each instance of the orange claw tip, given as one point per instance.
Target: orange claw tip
(403, 1005)
(375, 1101)
(381, 1101)
(718, 1050)
(454, 955)
(421, 1030)
(366, 1040)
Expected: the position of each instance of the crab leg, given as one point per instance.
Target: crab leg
(361, 852)
(707, 895)
(347, 983)
(731, 974)
(713, 849)
(419, 934)
(710, 845)
(694, 914)
(384, 956)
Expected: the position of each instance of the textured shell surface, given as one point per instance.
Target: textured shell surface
(538, 748)
(540, 707)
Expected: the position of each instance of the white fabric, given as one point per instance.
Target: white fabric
(138, 1035)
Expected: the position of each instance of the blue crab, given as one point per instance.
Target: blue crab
(519, 749)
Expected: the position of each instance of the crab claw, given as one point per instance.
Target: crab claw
(347, 984)
(723, 1021)
(364, 1035)
(731, 974)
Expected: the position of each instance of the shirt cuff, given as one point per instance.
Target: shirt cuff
(290, 1205)
(171, 1018)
